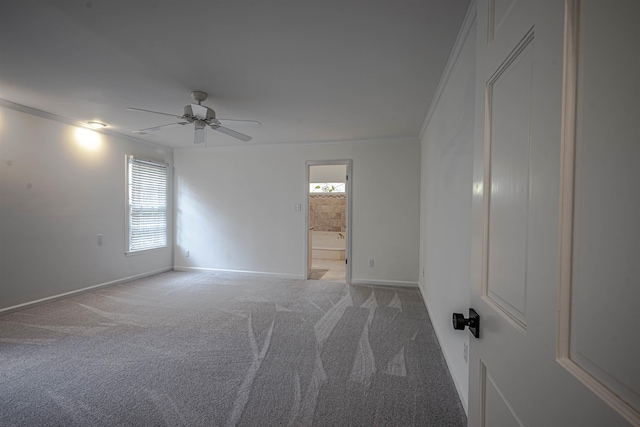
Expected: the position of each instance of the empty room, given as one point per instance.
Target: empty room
(319, 213)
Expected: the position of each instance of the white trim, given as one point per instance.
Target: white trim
(146, 251)
(65, 120)
(392, 139)
(463, 396)
(482, 408)
(567, 162)
(108, 131)
(227, 270)
(349, 207)
(81, 291)
(463, 35)
(294, 144)
(394, 283)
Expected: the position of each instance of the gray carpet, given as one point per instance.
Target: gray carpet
(221, 349)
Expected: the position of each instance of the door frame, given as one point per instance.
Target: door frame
(348, 188)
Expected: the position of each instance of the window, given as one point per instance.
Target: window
(146, 204)
(326, 187)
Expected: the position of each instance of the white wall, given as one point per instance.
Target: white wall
(447, 157)
(235, 208)
(55, 198)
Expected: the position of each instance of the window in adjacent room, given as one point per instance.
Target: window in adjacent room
(146, 204)
(326, 187)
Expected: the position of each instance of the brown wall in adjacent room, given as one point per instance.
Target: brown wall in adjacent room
(328, 211)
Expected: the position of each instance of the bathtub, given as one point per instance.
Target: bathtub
(328, 244)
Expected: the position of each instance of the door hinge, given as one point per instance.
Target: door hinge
(346, 261)
(347, 177)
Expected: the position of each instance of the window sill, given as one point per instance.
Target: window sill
(145, 251)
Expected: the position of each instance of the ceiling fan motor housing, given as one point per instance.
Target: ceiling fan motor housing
(193, 112)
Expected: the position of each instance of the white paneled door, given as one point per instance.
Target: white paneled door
(556, 264)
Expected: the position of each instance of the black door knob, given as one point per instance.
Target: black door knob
(473, 322)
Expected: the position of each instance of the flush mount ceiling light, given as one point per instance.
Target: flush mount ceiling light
(96, 125)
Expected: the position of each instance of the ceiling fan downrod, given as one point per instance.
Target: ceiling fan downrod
(199, 96)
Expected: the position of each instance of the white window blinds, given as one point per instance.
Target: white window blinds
(147, 204)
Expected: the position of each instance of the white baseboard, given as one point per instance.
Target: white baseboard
(447, 356)
(384, 283)
(257, 273)
(81, 291)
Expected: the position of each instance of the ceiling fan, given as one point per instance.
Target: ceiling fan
(200, 116)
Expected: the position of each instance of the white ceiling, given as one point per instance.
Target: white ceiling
(308, 70)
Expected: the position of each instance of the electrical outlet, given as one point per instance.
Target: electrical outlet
(186, 254)
(466, 352)
(370, 263)
(100, 241)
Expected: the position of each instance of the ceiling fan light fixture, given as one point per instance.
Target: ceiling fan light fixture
(96, 125)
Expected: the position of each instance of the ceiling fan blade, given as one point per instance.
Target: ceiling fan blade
(153, 112)
(241, 122)
(147, 130)
(233, 133)
(198, 135)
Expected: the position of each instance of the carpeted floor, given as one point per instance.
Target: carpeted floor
(221, 349)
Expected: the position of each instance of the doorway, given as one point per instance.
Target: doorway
(328, 231)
